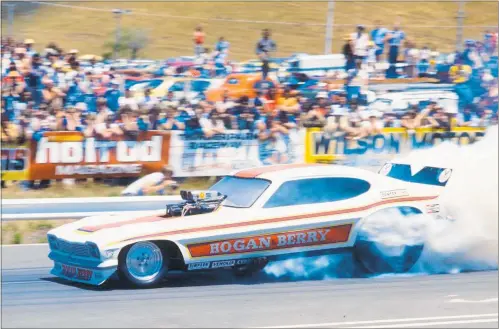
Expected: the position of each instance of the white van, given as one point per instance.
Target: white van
(400, 101)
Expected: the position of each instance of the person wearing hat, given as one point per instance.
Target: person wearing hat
(360, 40)
(28, 44)
(23, 62)
(348, 52)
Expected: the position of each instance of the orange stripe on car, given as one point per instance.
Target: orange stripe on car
(92, 229)
(255, 172)
(279, 219)
(274, 241)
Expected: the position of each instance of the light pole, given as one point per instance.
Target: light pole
(460, 21)
(10, 18)
(329, 27)
(117, 14)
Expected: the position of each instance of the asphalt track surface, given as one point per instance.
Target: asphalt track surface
(32, 298)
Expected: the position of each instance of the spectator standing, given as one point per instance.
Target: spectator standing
(199, 37)
(360, 41)
(264, 48)
(395, 39)
(423, 65)
(112, 96)
(378, 36)
(348, 52)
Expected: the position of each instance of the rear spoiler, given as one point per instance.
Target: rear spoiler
(415, 174)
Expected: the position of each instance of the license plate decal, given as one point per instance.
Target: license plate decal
(76, 273)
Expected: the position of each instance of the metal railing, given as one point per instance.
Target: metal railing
(77, 208)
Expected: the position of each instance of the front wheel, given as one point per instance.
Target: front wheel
(144, 264)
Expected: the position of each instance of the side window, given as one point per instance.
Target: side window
(317, 190)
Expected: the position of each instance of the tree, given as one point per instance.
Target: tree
(130, 40)
(137, 41)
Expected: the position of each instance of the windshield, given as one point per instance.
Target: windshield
(240, 192)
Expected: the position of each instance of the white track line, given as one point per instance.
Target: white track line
(429, 324)
(370, 322)
(25, 245)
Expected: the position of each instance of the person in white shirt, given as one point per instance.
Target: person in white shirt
(153, 183)
(360, 40)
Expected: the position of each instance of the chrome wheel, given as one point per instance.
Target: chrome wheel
(144, 262)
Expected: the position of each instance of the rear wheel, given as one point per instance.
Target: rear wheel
(390, 241)
(144, 264)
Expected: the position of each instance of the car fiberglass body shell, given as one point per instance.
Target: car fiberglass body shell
(270, 215)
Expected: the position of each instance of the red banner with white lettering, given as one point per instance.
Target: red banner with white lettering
(72, 155)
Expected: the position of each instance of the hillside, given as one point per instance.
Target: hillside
(169, 25)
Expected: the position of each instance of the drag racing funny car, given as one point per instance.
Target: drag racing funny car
(250, 218)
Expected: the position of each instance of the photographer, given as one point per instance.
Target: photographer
(156, 183)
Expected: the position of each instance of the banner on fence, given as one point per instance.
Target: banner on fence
(15, 163)
(197, 155)
(373, 151)
(71, 155)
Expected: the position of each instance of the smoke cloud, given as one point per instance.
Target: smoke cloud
(466, 242)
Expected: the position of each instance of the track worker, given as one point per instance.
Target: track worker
(155, 183)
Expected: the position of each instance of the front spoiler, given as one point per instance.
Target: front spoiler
(100, 274)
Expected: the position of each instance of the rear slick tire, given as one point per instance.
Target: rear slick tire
(380, 249)
(143, 264)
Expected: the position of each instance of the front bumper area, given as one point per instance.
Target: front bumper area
(76, 269)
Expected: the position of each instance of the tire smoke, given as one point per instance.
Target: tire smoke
(466, 242)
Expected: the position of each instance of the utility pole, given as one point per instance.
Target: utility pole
(460, 22)
(117, 15)
(10, 18)
(329, 27)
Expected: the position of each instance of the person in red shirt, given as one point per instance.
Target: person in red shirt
(199, 37)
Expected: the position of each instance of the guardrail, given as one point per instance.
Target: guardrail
(77, 208)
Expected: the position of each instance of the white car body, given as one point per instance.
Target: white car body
(229, 236)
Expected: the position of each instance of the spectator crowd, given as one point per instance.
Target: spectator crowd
(51, 91)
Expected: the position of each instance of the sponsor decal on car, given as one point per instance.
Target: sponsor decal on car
(223, 263)
(393, 194)
(303, 238)
(432, 208)
(217, 264)
(198, 266)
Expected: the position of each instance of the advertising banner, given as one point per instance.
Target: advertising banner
(15, 163)
(375, 150)
(71, 155)
(198, 155)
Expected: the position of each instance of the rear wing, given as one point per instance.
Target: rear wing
(416, 174)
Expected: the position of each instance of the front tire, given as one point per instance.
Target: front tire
(390, 241)
(143, 264)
